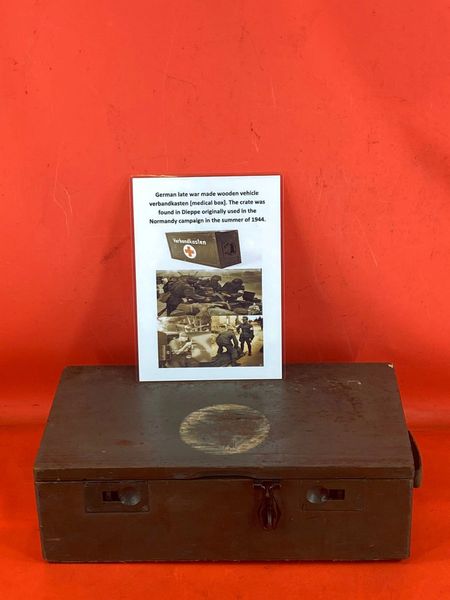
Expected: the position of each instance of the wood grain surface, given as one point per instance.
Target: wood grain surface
(326, 420)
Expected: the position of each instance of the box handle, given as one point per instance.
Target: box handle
(417, 461)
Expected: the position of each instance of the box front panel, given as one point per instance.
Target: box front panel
(225, 519)
(194, 247)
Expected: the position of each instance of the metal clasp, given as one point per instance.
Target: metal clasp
(268, 512)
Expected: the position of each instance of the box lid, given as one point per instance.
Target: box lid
(322, 420)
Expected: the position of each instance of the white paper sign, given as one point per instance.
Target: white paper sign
(208, 277)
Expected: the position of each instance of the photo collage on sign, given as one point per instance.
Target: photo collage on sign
(210, 318)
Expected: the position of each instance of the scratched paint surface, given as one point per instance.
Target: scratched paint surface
(224, 429)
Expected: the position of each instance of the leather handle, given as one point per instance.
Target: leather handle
(417, 461)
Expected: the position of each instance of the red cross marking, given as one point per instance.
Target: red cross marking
(189, 251)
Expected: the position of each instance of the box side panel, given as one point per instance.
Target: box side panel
(223, 520)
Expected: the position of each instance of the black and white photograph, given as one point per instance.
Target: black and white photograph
(210, 341)
(213, 293)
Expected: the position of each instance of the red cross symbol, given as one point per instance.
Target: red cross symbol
(189, 251)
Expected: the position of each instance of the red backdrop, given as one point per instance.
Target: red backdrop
(347, 100)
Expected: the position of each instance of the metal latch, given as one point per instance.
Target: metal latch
(268, 512)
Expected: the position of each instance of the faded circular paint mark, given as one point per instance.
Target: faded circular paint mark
(224, 429)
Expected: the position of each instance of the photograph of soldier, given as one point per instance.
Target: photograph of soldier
(246, 334)
(248, 331)
(180, 350)
(178, 291)
(203, 341)
(227, 343)
(218, 292)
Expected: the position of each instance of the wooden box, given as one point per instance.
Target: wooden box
(317, 466)
(211, 248)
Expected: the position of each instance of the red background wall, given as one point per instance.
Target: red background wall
(347, 100)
